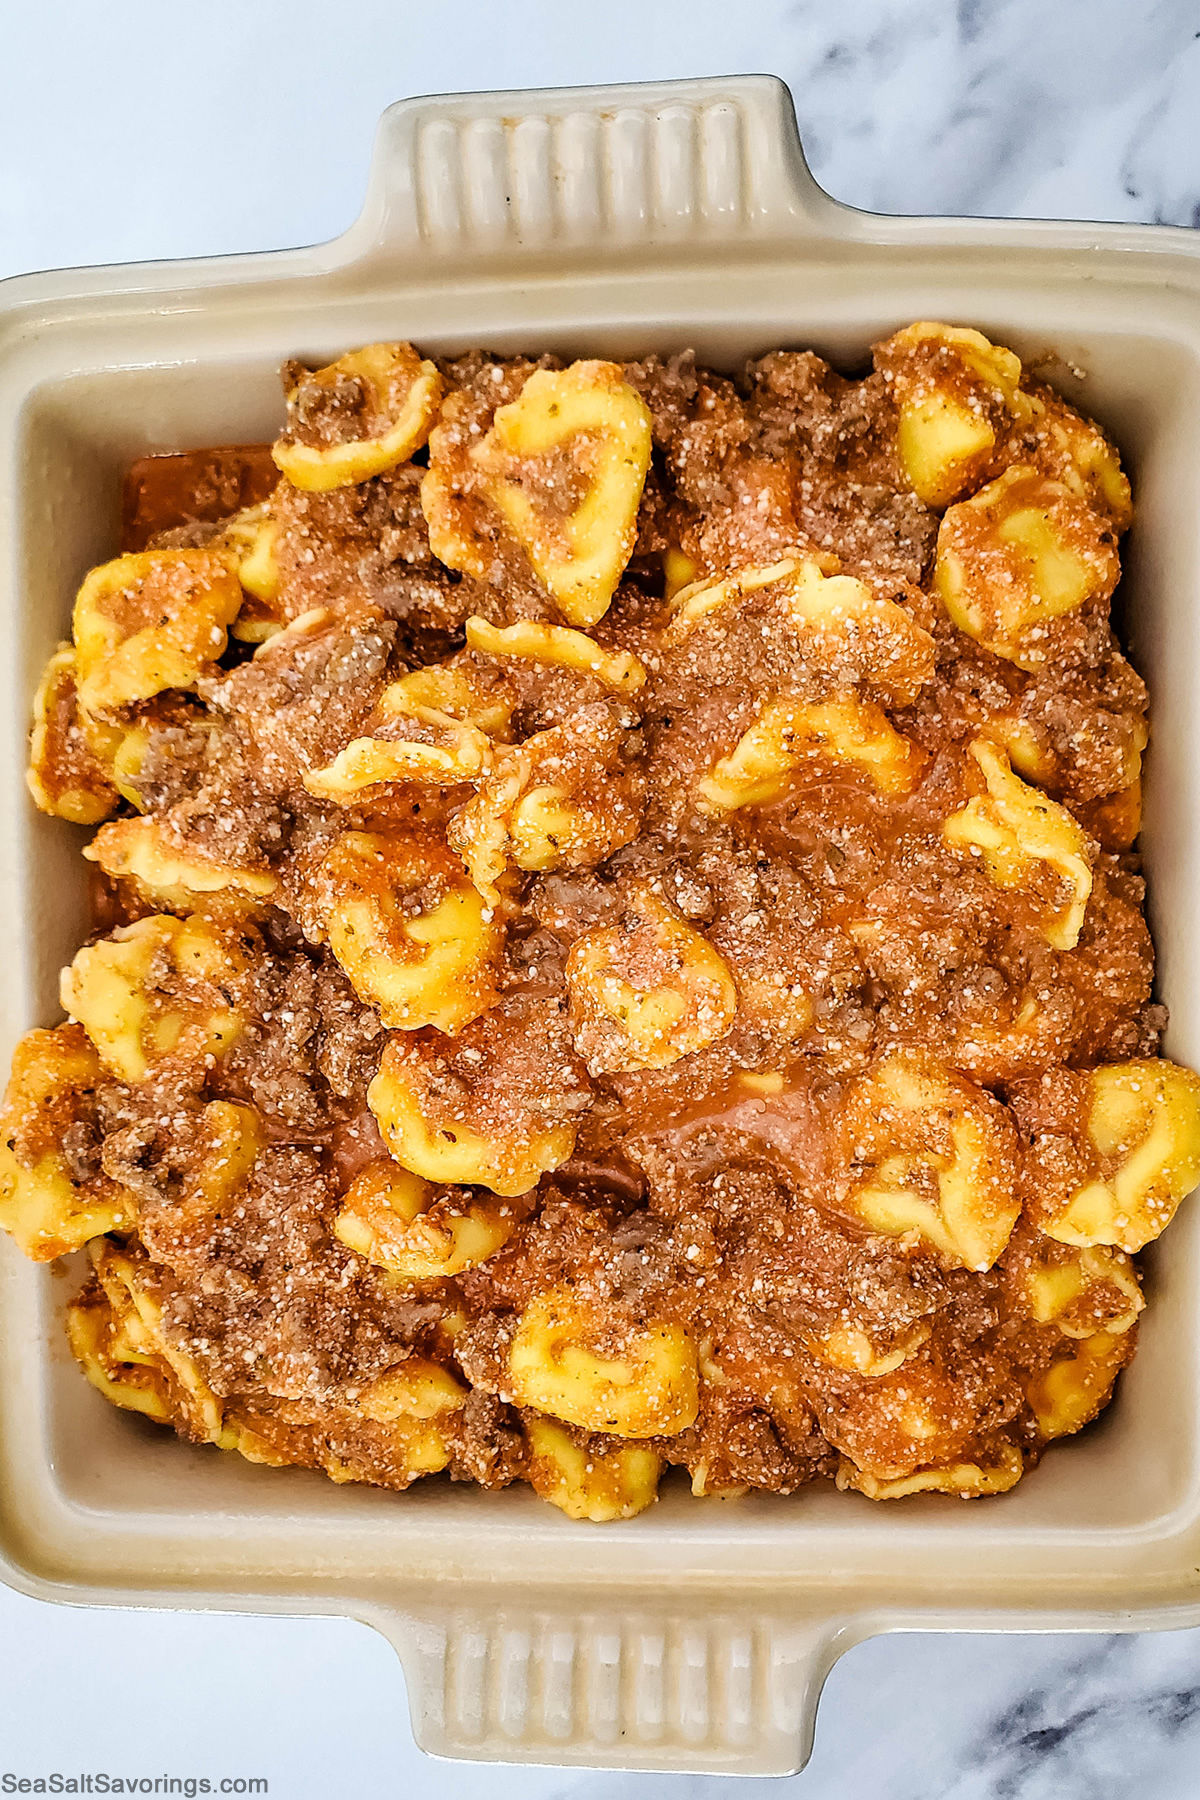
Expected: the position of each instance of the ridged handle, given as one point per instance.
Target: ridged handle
(478, 176)
(616, 1689)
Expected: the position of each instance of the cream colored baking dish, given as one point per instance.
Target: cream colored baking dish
(610, 221)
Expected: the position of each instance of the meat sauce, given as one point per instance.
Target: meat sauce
(193, 488)
(618, 940)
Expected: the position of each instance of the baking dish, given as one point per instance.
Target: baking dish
(596, 221)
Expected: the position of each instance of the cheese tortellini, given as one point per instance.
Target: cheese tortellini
(563, 466)
(408, 742)
(138, 851)
(432, 726)
(558, 647)
(1026, 840)
(436, 1127)
(151, 621)
(967, 1480)
(616, 1482)
(461, 689)
(1020, 554)
(1082, 1290)
(1114, 1150)
(66, 777)
(1076, 452)
(156, 990)
(569, 796)
(788, 736)
(852, 1349)
(412, 933)
(116, 1331)
(648, 991)
(417, 1232)
(415, 1389)
(927, 1152)
(852, 633)
(51, 1201)
(955, 393)
(250, 537)
(1069, 1394)
(358, 417)
(562, 1362)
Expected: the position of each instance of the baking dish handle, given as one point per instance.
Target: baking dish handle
(477, 177)
(695, 1692)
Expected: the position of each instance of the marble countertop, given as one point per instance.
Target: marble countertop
(143, 129)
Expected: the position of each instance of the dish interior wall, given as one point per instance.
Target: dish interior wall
(1137, 1472)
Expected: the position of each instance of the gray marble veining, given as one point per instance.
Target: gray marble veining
(977, 1718)
(1032, 108)
(1068, 108)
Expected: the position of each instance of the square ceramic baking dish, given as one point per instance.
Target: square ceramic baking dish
(613, 222)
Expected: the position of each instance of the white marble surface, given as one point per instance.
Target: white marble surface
(144, 128)
(150, 128)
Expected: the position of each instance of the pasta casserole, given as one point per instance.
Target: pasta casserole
(618, 943)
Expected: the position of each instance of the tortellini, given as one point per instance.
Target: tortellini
(1025, 750)
(1070, 1393)
(415, 937)
(416, 1389)
(582, 437)
(852, 1349)
(954, 390)
(647, 991)
(1114, 1150)
(407, 1446)
(567, 797)
(558, 646)
(125, 746)
(49, 1203)
(433, 725)
(125, 1373)
(358, 417)
(1116, 820)
(1076, 452)
(405, 1418)
(1018, 555)
(1083, 1290)
(789, 735)
(118, 1336)
(590, 1483)
(1026, 840)
(965, 1479)
(151, 621)
(459, 689)
(250, 536)
(137, 850)
(923, 1418)
(927, 1152)
(65, 776)
(705, 601)
(417, 1232)
(848, 631)
(435, 1128)
(562, 1362)
(124, 758)
(408, 741)
(155, 990)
